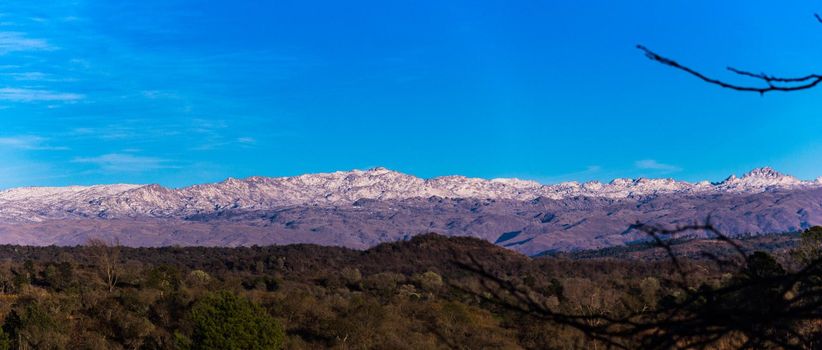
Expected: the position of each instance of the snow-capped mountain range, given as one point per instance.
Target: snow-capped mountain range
(340, 188)
(362, 208)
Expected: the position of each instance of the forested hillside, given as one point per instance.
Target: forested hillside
(427, 293)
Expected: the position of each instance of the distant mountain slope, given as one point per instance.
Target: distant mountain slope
(344, 189)
(360, 209)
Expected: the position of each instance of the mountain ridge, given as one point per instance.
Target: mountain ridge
(360, 209)
(345, 188)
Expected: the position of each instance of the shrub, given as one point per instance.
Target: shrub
(226, 321)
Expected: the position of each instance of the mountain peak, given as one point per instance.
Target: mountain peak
(761, 178)
(376, 171)
(731, 178)
(764, 173)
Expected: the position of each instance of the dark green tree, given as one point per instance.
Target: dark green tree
(810, 245)
(226, 321)
(762, 265)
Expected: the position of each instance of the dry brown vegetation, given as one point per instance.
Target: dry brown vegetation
(430, 292)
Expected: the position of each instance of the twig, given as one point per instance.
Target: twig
(773, 83)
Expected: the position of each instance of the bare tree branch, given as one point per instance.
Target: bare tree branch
(108, 260)
(773, 83)
(760, 308)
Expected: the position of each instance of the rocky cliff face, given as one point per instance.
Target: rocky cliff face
(363, 208)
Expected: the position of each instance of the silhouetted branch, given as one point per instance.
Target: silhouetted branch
(514, 297)
(656, 232)
(762, 307)
(773, 83)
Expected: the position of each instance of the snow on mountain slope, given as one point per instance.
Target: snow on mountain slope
(341, 189)
(39, 203)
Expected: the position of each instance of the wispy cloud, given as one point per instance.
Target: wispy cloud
(15, 41)
(36, 76)
(247, 140)
(158, 94)
(212, 135)
(651, 164)
(218, 143)
(118, 132)
(128, 130)
(31, 95)
(29, 142)
(122, 162)
(28, 76)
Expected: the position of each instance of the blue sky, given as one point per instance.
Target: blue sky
(179, 92)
